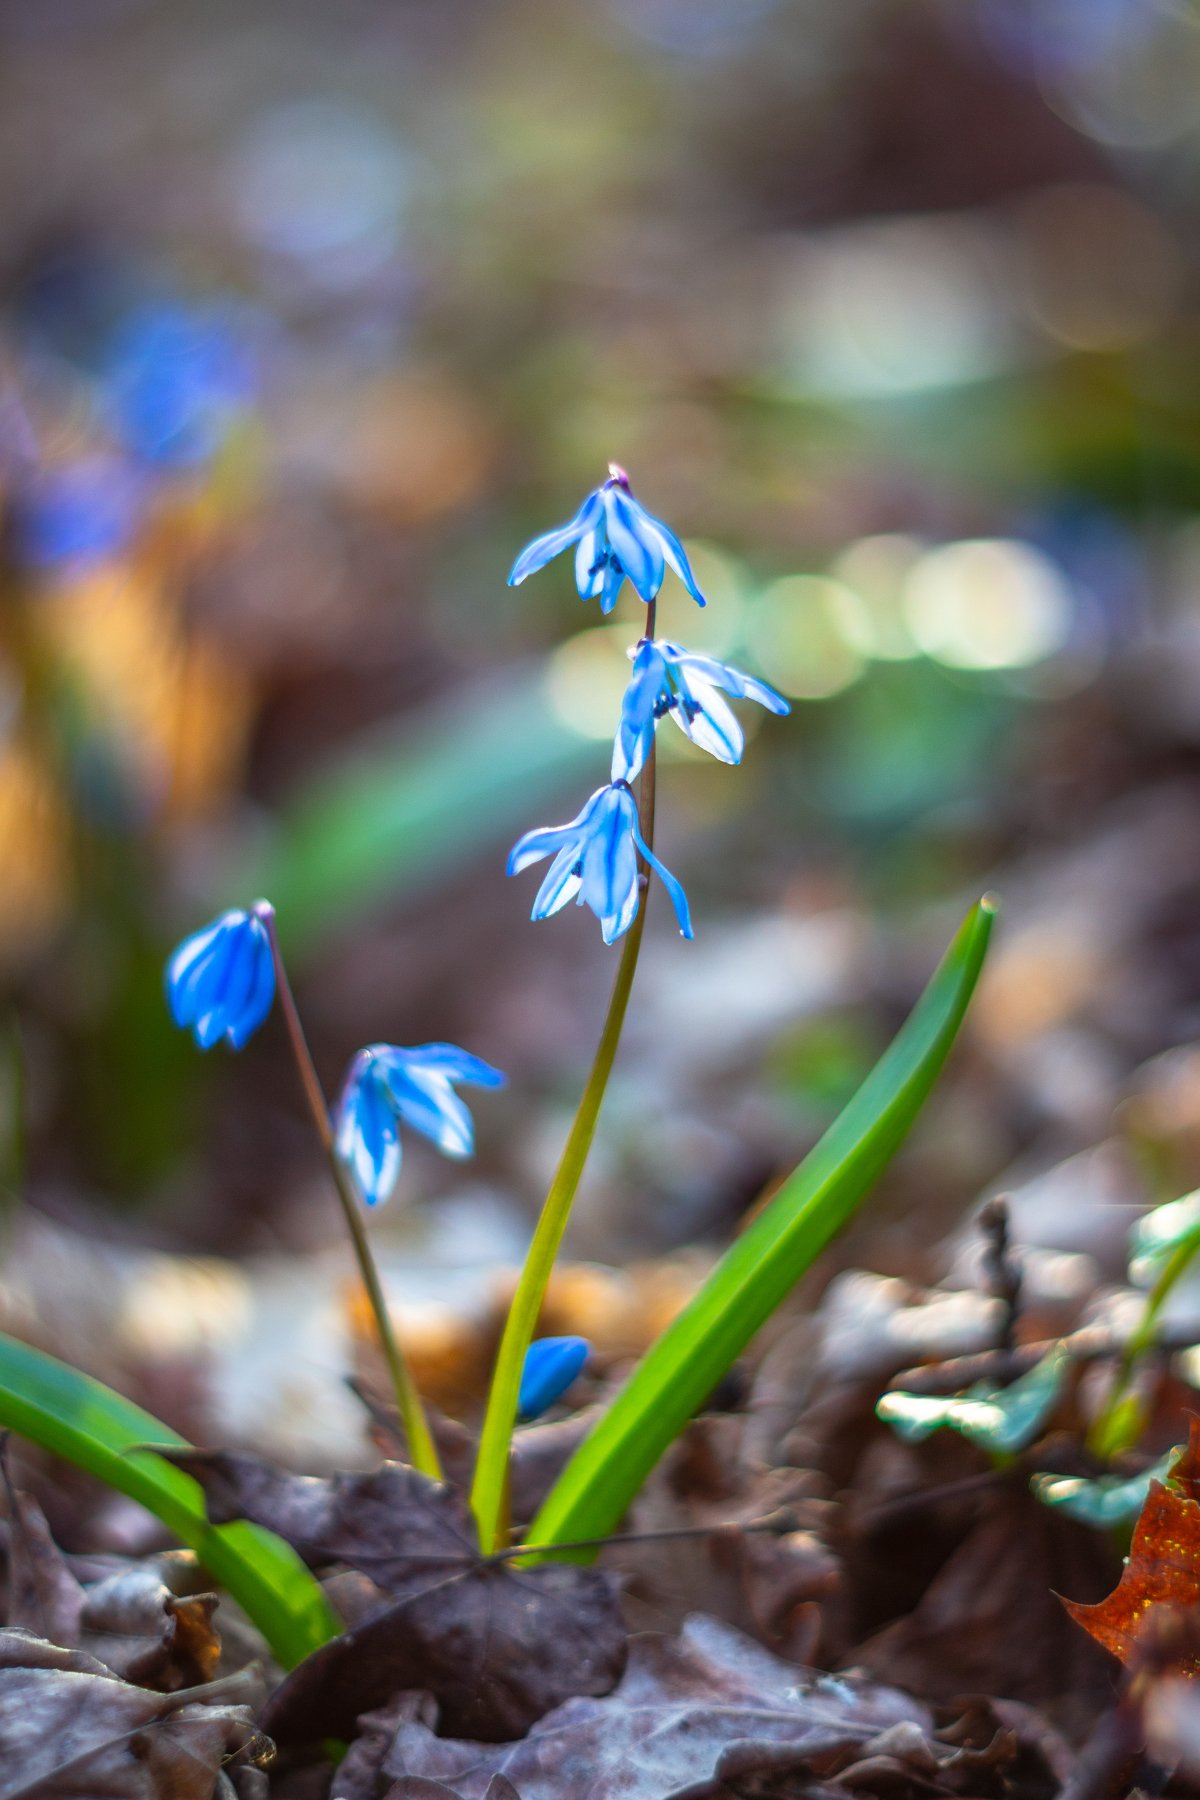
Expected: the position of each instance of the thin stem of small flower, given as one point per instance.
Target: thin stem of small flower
(421, 1447)
(490, 1486)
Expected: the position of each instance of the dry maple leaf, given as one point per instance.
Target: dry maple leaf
(496, 1644)
(1163, 1567)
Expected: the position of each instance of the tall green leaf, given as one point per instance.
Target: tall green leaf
(681, 1369)
(88, 1424)
(400, 815)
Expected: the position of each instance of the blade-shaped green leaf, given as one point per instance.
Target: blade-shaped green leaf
(678, 1373)
(998, 1419)
(400, 815)
(88, 1424)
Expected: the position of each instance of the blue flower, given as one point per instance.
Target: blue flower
(221, 981)
(386, 1084)
(79, 512)
(551, 1365)
(614, 537)
(596, 863)
(177, 377)
(669, 679)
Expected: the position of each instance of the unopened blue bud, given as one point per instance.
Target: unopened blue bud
(551, 1365)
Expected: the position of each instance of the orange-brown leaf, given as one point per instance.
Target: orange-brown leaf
(1186, 1473)
(1163, 1570)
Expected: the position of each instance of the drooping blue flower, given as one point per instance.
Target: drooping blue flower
(596, 863)
(221, 981)
(385, 1085)
(669, 679)
(176, 377)
(614, 537)
(551, 1365)
(77, 513)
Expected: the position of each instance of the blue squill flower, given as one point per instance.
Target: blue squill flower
(596, 863)
(669, 679)
(175, 380)
(386, 1085)
(221, 981)
(614, 537)
(551, 1365)
(77, 513)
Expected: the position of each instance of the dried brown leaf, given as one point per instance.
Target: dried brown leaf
(72, 1730)
(496, 1644)
(142, 1630)
(43, 1594)
(988, 1622)
(707, 1706)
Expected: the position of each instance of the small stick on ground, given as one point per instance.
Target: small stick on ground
(1002, 1271)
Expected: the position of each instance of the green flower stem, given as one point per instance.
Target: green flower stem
(421, 1446)
(1119, 1422)
(489, 1489)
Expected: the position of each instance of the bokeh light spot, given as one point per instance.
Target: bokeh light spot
(875, 570)
(797, 630)
(586, 679)
(987, 603)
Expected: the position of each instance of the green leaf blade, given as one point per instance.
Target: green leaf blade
(86, 1423)
(763, 1265)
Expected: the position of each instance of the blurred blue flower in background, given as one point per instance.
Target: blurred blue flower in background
(175, 379)
(596, 863)
(614, 537)
(669, 679)
(221, 981)
(551, 1365)
(77, 512)
(386, 1085)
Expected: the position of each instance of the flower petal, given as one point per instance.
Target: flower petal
(635, 543)
(723, 675)
(706, 717)
(614, 581)
(591, 562)
(186, 968)
(610, 872)
(674, 553)
(543, 549)
(669, 881)
(426, 1101)
(635, 734)
(561, 884)
(455, 1064)
(546, 840)
(367, 1138)
(261, 996)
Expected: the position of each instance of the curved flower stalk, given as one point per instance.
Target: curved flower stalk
(387, 1085)
(221, 980)
(596, 863)
(667, 679)
(614, 537)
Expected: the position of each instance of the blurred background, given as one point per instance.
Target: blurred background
(310, 316)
